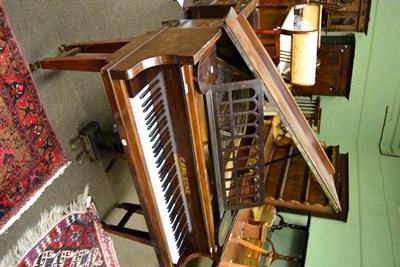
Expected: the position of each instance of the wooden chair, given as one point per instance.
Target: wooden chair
(253, 249)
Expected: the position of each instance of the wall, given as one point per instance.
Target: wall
(371, 237)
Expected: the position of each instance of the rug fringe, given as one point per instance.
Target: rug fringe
(48, 220)
(33, 199)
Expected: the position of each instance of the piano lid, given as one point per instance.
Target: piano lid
(262, 66)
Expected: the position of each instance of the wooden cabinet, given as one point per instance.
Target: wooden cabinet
(212, 9)
(353, 17)
(338, 15)
(333, 76)
(291, 186)
(280, 2)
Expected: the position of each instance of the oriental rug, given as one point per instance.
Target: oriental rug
(69, 236)
(31, 155)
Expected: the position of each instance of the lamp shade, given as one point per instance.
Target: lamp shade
(304, 58)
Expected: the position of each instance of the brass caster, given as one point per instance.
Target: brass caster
(35, 66)
(62, 48)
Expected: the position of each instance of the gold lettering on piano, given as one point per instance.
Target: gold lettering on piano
(185, 178)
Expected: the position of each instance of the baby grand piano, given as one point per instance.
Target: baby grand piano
(194, 142)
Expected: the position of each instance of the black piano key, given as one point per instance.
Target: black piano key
(180, 248)
(177, 217)
(169, 170)
(178, 232)
(156, 130)
(179, 225)
(168, 148)
(162, 122)
(172, 209)
(166, 141)
(165, 165)
(170, 190)
(161, 159)
(158, 108)
(155, 100)
(151, 124)
(165, 148)
(163, 138)
(149, 102)
(157, 111)
(161, 147)
(157, 142)
(180, 242)
(157, 150)
(151, 87)
(168, 193)
(151, 117)
(172, 205)
(165, 183)
(145, 93)
(168, 180)
(178, 204)
(163, 168)
(175, 227)
(164, 175)
(176, 192)
(156, 93)
(182, 233)
(162, 126)
(168, 153)
(177, 221)
(171, 201)
(175, 208)
(167, 187)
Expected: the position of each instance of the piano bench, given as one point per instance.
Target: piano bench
(121, 230)
(96, 143)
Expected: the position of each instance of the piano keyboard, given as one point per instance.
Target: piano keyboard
(156, 139)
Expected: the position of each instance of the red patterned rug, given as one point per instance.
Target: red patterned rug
(64, 237)
(31, 155)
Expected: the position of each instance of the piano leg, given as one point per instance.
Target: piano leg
(84, 56)
(121, 230)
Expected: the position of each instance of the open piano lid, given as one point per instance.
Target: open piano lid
(262, 66)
